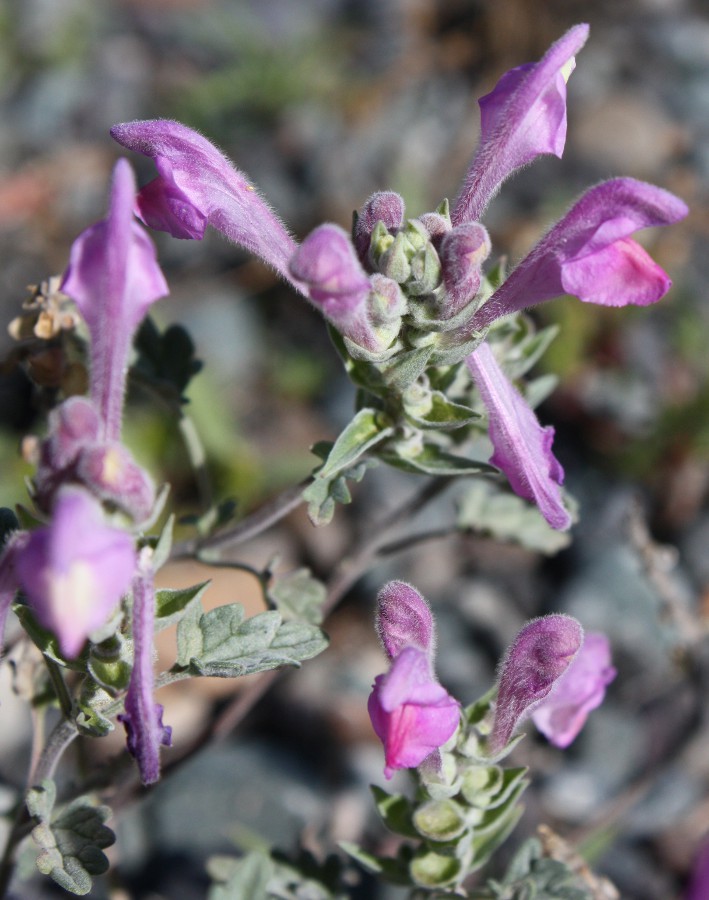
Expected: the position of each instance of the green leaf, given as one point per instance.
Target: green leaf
(70, 843)
(110, 664)
(396, 812)
(432, 869)
(451, 350)
(189, 634)
(495, 827)
(406, 367)
(363, 432)
(170, 604)
(298, 596)
(480, 784)
(440, 820)
(328, 486)
(221, 643)
(393, 870)
(433, 460)
(45, 640)
(444, 414)
(92, 702)
(165, 361)
(487, 509)
(163, 545)
(512, 783)
(323, 495)
(246, 879)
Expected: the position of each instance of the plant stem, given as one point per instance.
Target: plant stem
(61, 736)
(250, 526)
(59, 686)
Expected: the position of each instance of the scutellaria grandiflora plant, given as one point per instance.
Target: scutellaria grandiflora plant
(431, 331)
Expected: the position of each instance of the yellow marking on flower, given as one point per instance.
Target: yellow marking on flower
(73, 592)
(568, 68)
(112, 468)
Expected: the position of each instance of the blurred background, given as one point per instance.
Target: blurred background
(323, 102)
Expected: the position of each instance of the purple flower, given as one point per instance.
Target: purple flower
(404, 619)
(326, 263)
(522, 446)
(580, 689)
(384, 206)
(539, 655)
(113, 276)
(145, 732)
(75, 571)
(411, 713)
(73, 452)
(589, 253)
(523, 117)
(463, 250)
(198, 186)
(699, 885)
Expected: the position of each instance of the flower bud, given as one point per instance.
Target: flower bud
(111, 473)
(404, 620)
(463, 251)
(536, 659)
(412, 714)
(385, 207)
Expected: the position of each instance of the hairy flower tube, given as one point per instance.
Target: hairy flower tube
(522, 118)
(581, 689)
(143, 716)
(522, 446)
(113, 276)
(411, 713)
(75, 570)
(536, 659)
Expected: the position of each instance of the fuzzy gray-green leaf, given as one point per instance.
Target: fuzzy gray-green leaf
(244, 879)
(432, 460)
(72, 842)
(298, 596)
(224, 645)
(170, 604)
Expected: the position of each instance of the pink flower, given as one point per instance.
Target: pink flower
(198, 186)
(327, 264)
(522, 446)
(75, 571)
(536, 659)
(411, 713)
(699, 885)
(589, 254)
(562, 715)
(113, 276)
(522, 118)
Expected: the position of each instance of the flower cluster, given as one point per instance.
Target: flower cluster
(550, 672)
(412, 714)
(74, 570)
(401, 283)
